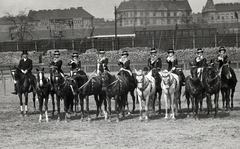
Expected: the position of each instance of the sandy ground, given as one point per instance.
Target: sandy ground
(26, 132)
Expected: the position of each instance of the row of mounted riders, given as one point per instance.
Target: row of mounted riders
(205, 80)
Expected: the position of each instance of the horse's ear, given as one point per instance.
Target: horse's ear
(135, 70)
(43, 69)
(37, 69)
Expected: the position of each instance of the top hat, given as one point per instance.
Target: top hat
(56, 53)
(75, 54)
(199, 50)
(125, 53)
(25, 52)
(222, 49)
(153, 50)
(145, 69)
(101, 51)
(171, 51)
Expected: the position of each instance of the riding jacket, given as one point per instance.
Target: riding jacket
(104, 61)
(222, 59)
(124, 63)
(155, 63)
(26, 64)
(200, 61)
(172, 62)
(75, 64)
(58, 64)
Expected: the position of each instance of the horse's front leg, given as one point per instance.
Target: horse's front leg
(109, 112)
(216, 103)
(139, 96)
(46, 108)
(40, 99)
(159, 101)
(87, 108)
(58, 108)
(34, 101)
(133, 99)
(82, 107)
(232, 95)
(26, 104)
(227, 99)
(146, 107)
(166, 105)
(173, 105)
(223, 99)
(53, 103)
(21, 104)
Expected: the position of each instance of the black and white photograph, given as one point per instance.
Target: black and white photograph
(120, 74)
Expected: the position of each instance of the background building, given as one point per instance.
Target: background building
(153, 12)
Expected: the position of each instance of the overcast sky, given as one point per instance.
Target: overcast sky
(98, 8)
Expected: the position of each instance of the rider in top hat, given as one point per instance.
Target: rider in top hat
(57, 61)
(200, 61)
(154, 61)
(75, 64)
(103, 59)
(222, 56)
(173, 64)
(171, 60)
(26, 65)
(124, 62)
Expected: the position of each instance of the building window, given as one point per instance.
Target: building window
(154, 21)
(147, 14)
(227, 16)
(168, 14)
(154, 13)
(141, 14)
(162, 14)
(175, 14)
(222, 16)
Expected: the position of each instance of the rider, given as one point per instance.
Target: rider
(222, 56)
(173, 64)
(200, 61)
(57, 61)
(124, 62)
(154, 61)
(103, 59)
(75, 64)
(25, 65)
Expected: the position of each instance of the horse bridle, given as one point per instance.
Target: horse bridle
(170, 81)
(142, 82)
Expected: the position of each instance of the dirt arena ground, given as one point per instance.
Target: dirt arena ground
(27, 132)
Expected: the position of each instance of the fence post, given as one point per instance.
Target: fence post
(132, 42)
(73, 45)
(4, 86)
(17, 46)
(173, 42)
(53, 44)
(237, 39)
(153, 42)
(2, 75)
(92, 42)
(194, 42)
(113, 45)
(35, 43)
(215, 39)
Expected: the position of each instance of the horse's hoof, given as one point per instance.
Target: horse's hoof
(165, 117)
(140, 118)
(47, 120)
(188, 115)
(58, 119)
(39, 121)
(26, 114)
(89, 119)
(173, 118)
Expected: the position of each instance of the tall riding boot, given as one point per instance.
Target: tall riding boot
(15, 89)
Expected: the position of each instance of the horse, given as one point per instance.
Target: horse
(146, 90)
(228, 84)
(24, 85)
(170, 86)
(93, 86)
(132, 85)
(178, 71)
(43, 89)
(194, 90)
(212, 84)
(65, 89)
(158, 80)
(118, 88)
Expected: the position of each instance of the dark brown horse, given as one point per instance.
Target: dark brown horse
(132, 85)
(212, 85)
(158, 79)
(116, 87)
(193, 90)
(65, 89)
(24, 85)
(43, 89)
(228, 84)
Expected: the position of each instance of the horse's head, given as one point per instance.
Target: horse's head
(226, 72)
(15, 72)
(40, 77)
(105, 77)
(58, 78)
(139, 78)
(193, 71)
(211, 71)
(99, 68)
(166, 78)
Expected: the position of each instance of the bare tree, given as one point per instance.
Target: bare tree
(20, 26)
(193, 24)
